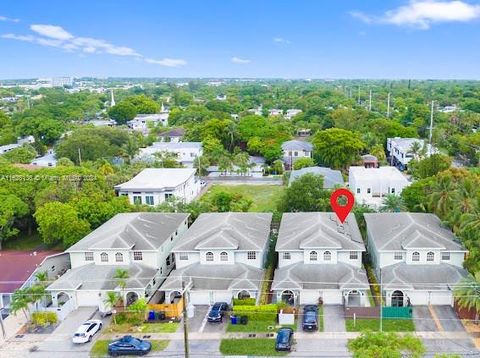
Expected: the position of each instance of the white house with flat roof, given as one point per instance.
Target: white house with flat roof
(400, 150)
(139, 243)
(371, 185)
(418, 259)
(320, 259)
(184, 152)
(221, 257)
(142, 121)
(152, 186)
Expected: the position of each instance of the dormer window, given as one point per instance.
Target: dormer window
(430, 256)
(118, 257)
(353, 255)
(88, 256)
(251, 255)
(287, 256)
(104, 257)
(223, 256)
(327, 256)
(416, 256)
(209, 256)
(137, 256)
(445, 256)
(313, 256)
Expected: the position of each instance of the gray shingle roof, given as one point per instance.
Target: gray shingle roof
(139, 231)
(397, 231)
(239, 231)
(331, 178)
(318, 230)
(320, 276)
(297, 145)
(422, 277)
(100, 277)
(215, 277)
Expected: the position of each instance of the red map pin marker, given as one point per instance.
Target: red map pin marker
(342, 211)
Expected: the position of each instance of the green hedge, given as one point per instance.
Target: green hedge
(257, 313)
(244, 302)
(44, 318)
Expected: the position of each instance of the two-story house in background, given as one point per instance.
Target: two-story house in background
(294, 150)
(319, 258)
(221, 257)
(416, 259)
(184, 153)
(140, 243)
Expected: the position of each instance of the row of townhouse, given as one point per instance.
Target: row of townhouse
(222, 256)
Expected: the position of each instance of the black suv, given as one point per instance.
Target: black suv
(284, 339)
(310, 318)
(217, 312)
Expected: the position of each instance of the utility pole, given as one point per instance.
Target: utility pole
(370, 101)
(388, 105)
(381, 303)
(79, 157)
(358, 94)
(431, 128)
(185, 319)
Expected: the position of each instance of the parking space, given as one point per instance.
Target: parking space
(423, 320)
(448, 319)
(198, 323)
(334, 318)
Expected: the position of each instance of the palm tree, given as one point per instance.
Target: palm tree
(111, 300)
(467, 293)
(443, 196)
(470, 221)
(392, 204)
(121, 276)
(415, 149)
(20, 302)
(130, 148)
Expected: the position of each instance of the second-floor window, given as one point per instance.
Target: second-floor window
(223, 256)
(104, 257)
(353, 255)
(358, 190)
(445, 256)
(398, 255)
(209, 256)
(137, 256)
(416, 256)
(287, 256)
(313, 256)
(251, 255)
(88, 256)
(327, 256)
(118, 257)
(430, 256)
(183, 256)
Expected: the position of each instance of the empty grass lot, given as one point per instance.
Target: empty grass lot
(265, 197)
(250, 347)
(389, 325)
(100, 348)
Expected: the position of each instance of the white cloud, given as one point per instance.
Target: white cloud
(281, 40)
(56, 36)
(8, 19)
(239, 60)
(422, 14)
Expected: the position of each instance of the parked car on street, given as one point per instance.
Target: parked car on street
(284, 339)
(310, 318)
(129, 345)
(217, 312)
(86, 331)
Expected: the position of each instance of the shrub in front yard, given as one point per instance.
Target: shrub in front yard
(382, 344)
(44, 318)
(244, 301)
(257, 313)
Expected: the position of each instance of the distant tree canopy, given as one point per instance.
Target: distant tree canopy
(122, 112)
(429, 166)
(306, 194)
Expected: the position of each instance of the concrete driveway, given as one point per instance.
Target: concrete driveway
(59, 343)
(461, 347)
(199, 323)
(423, 319)
(333, 318)
(448, 319)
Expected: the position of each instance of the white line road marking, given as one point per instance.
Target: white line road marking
(204, 322)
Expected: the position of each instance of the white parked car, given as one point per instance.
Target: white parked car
(86, 331)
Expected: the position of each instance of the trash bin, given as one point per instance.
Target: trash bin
(161, 316)
(233, 319)
(151, 315)
(244, 320)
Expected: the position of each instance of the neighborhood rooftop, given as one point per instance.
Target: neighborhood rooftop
(297, 145)
(176, 145)
(158, 178)
(140, 231)
(331, 178)
(240, 231)
(375, 175)
(397, 231)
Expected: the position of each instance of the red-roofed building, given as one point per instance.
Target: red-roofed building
(18, 268)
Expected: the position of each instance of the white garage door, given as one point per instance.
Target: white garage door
(222, 296)
(309, 297)
(88, 298)
(332, 297)
(200, 297)
(441, 298)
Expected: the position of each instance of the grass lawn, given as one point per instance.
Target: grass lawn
(251, 347)
(100, 348)
(389, 325)
(28, 243)
(265, 197)
(320, 318)
(144, 328)
(257, 326)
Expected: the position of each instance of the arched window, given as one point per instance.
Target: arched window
(327, 256)
(118, 257)
(223, 256)
(416, 256)
(313, 256)
(209, 256)
(104, 257)
(430, 256)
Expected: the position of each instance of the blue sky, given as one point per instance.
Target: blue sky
(241, 38)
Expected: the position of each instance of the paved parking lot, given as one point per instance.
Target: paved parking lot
(448, 319)
(423, 319)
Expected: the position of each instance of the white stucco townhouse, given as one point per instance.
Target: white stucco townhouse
(185, 153)
(418, 260)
